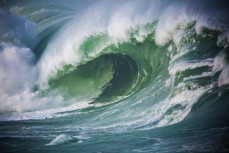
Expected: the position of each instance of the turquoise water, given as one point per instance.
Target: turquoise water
(114, 76)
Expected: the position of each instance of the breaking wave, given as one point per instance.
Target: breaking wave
(127, 67)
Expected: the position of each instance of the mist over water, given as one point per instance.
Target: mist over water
(114, 76)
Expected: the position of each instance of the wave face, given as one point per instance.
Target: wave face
(114, 76)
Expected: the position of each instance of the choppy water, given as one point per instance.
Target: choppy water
(114, 76)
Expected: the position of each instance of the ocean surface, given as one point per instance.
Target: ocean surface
(109, 76)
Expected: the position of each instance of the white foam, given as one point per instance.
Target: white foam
(220, 63)
(168, 23)
(186, 99)
(224, 76)
(46, 110)
(61, 139)
(204, 74)
(18, 77)
(180, 67)
(179, 14)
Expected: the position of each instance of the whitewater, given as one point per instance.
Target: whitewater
(114, 76)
